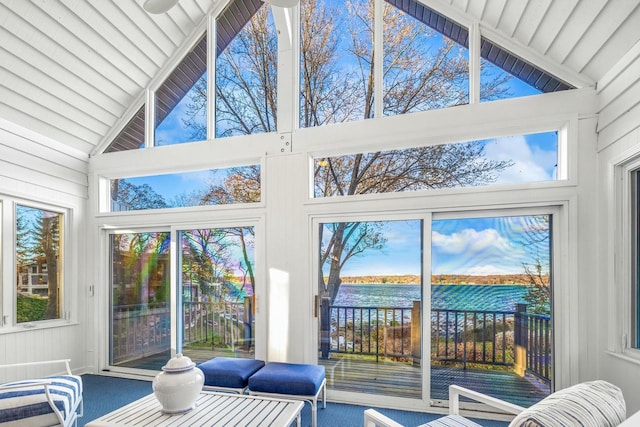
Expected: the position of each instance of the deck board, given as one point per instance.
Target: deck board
(404, 380)
(391, 378)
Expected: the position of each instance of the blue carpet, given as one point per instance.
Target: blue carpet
(104, 394)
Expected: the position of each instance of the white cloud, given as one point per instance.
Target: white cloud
(469, 241)
(530, 165)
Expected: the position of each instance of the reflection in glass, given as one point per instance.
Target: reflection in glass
(491, 301)
(218, 289)
(140, 315)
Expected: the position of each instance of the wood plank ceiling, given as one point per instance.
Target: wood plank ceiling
(70, 69)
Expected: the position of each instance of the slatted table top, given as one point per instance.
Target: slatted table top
(212, 409)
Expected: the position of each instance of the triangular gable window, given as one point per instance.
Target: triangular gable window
(132, 136)
(184, 79)
(490, 51)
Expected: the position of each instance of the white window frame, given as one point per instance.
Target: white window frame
(150, 221)
(622, 211)
(563, 267)
(8, 294)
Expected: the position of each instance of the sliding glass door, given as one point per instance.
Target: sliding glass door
(408, 307)
(205, 309)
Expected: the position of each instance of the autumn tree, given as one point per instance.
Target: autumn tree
(421, 70)
(241, 185)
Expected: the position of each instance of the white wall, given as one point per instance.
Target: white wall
(618, 140)
(35, 168)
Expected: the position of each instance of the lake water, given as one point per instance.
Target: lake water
(454, 297)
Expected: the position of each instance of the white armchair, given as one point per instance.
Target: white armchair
(47, 401)
(590, 404)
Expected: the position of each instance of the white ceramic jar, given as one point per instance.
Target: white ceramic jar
(178, 385)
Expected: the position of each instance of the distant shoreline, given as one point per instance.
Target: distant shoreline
(445, 279)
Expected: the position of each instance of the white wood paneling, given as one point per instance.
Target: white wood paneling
(578, 23)
(92, 59)
(534, 13)
(70, 69)
(619, 100)
(37, 168)
(598, 34)
(37, 161)
(552, 24)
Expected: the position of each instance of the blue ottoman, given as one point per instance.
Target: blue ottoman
(291, 381)
(228, 374)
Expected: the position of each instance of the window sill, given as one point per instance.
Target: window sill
(631, 356)
(36, 326)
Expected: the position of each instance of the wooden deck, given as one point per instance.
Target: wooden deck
(397, 379)
(404, 380)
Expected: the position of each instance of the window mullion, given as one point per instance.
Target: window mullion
(474, 63)
(378, 46)
(211, 77)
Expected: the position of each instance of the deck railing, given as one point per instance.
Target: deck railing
(506, 338)
(478, 336)
(143, 329)
(219, 323)
(139, 330)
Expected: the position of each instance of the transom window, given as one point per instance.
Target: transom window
(201, 188)
(507, 160)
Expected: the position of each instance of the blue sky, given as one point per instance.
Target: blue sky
(476, 246)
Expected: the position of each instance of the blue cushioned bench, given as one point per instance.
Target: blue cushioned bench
(291, 381)
(228, 374)
(54, 400)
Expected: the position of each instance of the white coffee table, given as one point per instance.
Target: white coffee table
(212, 409)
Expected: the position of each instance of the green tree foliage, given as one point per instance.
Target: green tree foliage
(537, 243)
(38, 245)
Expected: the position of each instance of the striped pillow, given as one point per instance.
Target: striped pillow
(28, 406)
(590, 404)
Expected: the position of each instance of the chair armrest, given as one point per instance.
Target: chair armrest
(456, 391)
(373, 418)
(44, 362)
(43, 383)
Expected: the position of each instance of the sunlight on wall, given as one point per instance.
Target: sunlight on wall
(278, 341)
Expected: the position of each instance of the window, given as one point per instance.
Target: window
(246, 68)
(498, 69)
(39, 255)
(201, 188)
(424, 68)
(181, 101)
(132, 136)
(625, 226)
(507, 160)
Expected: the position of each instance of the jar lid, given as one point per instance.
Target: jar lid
(178, 363)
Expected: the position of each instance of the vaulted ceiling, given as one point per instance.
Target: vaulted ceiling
(71, 69)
